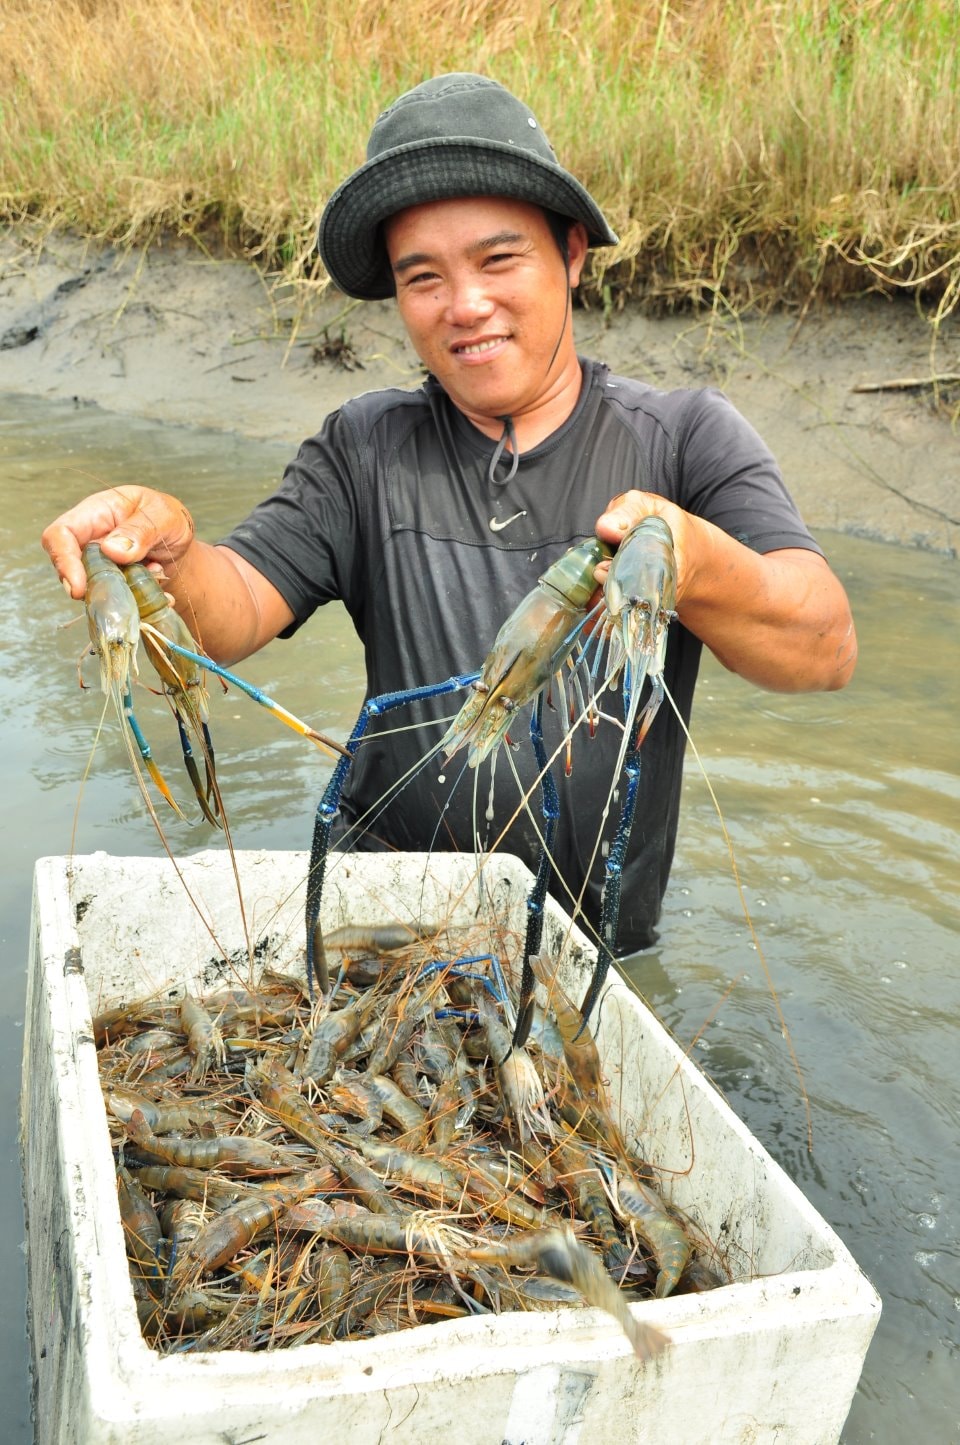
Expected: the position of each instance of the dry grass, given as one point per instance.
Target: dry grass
(745, 150)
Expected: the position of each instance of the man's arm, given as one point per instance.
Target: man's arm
(780, 619)
(229, 606)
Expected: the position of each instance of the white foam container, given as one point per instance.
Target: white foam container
(774, 1356)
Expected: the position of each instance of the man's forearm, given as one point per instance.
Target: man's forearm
(781, 620)
(230, 608)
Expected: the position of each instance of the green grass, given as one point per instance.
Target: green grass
(745, 150)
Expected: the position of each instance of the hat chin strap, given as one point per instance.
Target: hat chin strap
(509, 433)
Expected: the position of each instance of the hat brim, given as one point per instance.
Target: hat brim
(349, 237)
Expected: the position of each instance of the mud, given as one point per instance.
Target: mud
(180, 337)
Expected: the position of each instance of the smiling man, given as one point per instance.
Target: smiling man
(431, 513)
(484, 295)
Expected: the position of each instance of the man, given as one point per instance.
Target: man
(432, 513)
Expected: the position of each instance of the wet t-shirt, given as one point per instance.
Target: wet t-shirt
(396, 508)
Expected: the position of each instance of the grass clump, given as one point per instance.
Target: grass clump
(745, 150)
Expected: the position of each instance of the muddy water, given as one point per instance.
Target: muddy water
(843, 817)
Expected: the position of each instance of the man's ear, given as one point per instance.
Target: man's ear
(577, 247)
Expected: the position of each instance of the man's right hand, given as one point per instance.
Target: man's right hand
(131, 524)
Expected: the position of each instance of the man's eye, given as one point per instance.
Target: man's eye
(421, 278)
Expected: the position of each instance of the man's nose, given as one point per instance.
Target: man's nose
(468, 301)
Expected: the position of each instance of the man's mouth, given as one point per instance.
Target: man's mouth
(476, 348)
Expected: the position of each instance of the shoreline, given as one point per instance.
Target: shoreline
(171, 335)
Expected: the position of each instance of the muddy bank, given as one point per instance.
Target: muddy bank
(178, 337)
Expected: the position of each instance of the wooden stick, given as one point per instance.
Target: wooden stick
(908, 383)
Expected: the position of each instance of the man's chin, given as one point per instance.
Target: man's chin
(484, 405)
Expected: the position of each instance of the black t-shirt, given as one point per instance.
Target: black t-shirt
(395, 509)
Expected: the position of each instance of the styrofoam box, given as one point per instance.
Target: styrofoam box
(775, 1355)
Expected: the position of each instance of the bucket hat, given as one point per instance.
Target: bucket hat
(454, 135)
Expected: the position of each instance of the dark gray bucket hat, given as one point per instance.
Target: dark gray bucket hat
(455, 135)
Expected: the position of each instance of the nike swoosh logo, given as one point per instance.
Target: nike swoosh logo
(496, 526)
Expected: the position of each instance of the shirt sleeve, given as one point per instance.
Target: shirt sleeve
(728, 475)
(306, 537)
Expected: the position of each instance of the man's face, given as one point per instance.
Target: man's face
(482, 291)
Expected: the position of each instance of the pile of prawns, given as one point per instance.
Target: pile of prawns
(292, 1173)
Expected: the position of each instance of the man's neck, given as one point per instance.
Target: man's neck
(534, 424)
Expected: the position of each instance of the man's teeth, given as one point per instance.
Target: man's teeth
(477, 346)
